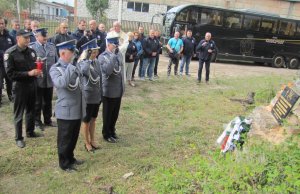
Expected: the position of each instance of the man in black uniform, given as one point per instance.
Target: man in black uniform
(6, 41)
(206, 48)
(21, 69)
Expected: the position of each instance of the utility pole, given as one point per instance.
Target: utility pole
(120, 11)
(18, 8)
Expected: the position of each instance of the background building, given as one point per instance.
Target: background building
(144, 10)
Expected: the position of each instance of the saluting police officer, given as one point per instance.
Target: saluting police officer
(46, 51)
(68, 108)
(6, 41)
(21, 69)
(111, 62)
(91, 79)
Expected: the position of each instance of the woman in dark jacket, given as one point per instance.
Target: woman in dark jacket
(130, 55)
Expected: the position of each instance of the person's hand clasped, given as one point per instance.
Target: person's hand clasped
(35, 72)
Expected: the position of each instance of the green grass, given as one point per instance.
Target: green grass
(168, 131)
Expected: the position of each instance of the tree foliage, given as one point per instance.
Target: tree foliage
(97, 7)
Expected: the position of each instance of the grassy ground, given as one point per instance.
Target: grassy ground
(168, 130)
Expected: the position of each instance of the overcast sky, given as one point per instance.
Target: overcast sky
(69, 2)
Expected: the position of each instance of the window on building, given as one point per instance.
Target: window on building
(251, 22)
(287, 28)
(48, 10)
(233, 20)
(268, 25)
(130, 6)
(138, 7)
(57, 12)
(145, 7)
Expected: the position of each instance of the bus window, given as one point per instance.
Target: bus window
(251, 22)
(183, 16)
(268, 25)
(212, 17)
(193, 15)
(233, 20)
(298, 30)
(287, 28)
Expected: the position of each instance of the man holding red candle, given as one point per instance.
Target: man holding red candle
(46, 57)
(21, 69)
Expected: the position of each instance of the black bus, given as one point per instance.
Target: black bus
(240, 34)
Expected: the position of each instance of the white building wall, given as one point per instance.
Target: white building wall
(112, 12)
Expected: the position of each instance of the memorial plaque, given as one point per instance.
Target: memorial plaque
(284, 104)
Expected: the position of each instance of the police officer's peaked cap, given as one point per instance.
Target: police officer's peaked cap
(113, 38)
(90, 45)
(24, 33)
(42, 31)
(69, 45)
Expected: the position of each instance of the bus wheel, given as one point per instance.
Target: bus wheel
(278, 61)
(293, 63)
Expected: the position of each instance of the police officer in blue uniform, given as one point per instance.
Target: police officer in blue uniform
(91, 79)
(46, 51)
(68, 108)
(6, 41)
(21, 69)
(112, 67)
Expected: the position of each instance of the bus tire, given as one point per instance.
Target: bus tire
(278, 61)
(293, 63)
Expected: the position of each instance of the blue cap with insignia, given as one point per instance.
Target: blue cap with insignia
(42, 31)
(92, 45)
(69, 45)
(113, 38)
(23, 33)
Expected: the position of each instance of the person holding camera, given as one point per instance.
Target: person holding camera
(175, 47)
(113, 88)
(205, 48)
(91, 78)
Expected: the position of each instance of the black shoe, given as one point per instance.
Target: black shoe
(32, 135)
(110, 140)
(50, 124)
(70, 169)
(115, 136)
(78, 162)
(20, 143)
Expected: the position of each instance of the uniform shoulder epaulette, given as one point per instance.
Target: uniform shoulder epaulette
(11, 49)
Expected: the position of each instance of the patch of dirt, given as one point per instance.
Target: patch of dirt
(266, 127)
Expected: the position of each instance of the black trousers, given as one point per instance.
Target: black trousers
(156, 64)
(43, 102)
(110, 114)
(207, 69)
(67, 136)
(176, 62)
(137, 61)
(3, 76)
(24, 95)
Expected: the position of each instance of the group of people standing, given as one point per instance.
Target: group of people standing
(87, 68)
(185, 48)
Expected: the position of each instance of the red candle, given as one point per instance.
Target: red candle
(39, 65)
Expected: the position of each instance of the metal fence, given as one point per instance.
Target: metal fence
(52, 22)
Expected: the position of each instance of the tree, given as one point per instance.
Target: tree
(97, 8)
